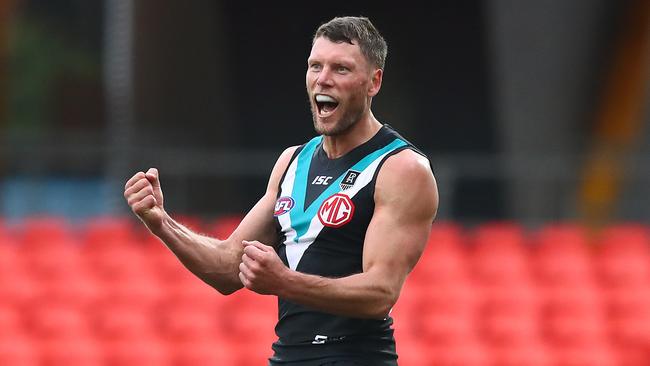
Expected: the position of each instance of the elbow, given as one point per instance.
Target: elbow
(384, 305)
(222, 285)
(226, 290)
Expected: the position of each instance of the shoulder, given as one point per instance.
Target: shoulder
(407, 181)
(406, 168)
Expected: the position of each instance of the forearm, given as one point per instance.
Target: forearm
(212, 260)
(362, 295)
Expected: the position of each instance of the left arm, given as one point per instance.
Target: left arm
(394, 241)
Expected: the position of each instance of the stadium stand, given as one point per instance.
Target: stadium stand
(107, 293)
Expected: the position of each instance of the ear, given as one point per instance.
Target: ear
(375, 82)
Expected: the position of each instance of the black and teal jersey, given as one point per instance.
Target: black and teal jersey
(323, 210)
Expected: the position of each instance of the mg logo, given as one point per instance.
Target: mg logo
(336, 211)
(283, 205)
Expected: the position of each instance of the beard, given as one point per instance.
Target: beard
(350, 117)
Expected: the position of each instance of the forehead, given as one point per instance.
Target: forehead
(325, 50)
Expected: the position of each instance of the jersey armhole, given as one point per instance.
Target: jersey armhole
(373, 182)
(293, 157)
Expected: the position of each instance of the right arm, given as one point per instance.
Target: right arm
(214, 261)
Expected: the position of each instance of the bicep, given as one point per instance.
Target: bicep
(401, 222)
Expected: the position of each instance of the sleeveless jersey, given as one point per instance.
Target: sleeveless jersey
(322, 212)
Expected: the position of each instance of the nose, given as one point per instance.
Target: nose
(324, 77)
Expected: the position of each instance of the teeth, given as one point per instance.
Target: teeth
(325, 99)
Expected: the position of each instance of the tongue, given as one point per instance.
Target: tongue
(328, 107)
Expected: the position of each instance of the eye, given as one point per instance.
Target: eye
(315, 66)
(342, 69)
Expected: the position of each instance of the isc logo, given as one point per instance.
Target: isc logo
(321, 180)
(336, 211)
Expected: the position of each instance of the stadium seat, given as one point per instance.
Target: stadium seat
(41, 230)
(410, 349)
(442, 260)
(17, 288)
(201, 352)
(498, 254)
(18, 351)
(468, 352)
(186, 321)
(629, 317)
(108, 230)
(562, 256)
(56, 260)
(596, 353)
(573, 316)
(509, 316)
(80, 351)
(11, 266)
(117, 262)
(250, 319)
(144, 351)
(11, 321)
(530, 353)
(624, 256)
(52, 320)
(121, 322)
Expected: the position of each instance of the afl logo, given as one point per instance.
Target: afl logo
(336, 211)
(283, 205)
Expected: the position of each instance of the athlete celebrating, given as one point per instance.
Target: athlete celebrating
(344, 219)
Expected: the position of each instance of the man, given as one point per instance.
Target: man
(344, 219)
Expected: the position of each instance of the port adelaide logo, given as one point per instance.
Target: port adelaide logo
(283, 205)
(349, 179)
(336, 211)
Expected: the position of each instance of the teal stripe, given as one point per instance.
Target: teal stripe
(300, 219)
(299, 189)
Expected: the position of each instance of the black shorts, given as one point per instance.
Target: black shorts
(327, 363)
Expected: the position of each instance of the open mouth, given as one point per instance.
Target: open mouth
(326, 104)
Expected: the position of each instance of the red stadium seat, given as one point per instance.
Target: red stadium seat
(447, 234)
(468, 352)
(499, 255)
(596, 353)
(410, 349)
(532, 353)
(11, 321)
(629, 317)
(40, 231)
(509, 316)
(187, 322)
(109, 230)
(56, 260)
(443, 260)
(624, 256)
(250, 318)
(17, 288)
(69, 352)
(201, 352)
(117, 262)
(145, 351)
(47, 321)
(563, 256)
(121, 322)
(573, 316)
(18, 351)
(10, 261)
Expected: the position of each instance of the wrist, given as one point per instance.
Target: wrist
(288, 284)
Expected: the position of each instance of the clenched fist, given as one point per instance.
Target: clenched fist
(145, 197)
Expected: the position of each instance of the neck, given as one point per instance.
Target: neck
(362, 131)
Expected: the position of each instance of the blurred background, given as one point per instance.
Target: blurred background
(533, 113)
